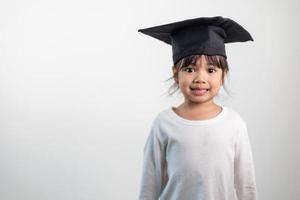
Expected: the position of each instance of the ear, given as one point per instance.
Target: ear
(225, 75)
(174, 71)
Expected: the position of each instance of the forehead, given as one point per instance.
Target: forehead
(202, 60)
(202, 63)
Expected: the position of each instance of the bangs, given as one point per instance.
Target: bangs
(216, 60)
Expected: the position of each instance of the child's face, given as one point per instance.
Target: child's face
(200, 75)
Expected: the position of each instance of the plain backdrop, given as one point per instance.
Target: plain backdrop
(80, 87)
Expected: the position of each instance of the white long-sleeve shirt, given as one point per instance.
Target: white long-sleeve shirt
(198, 159)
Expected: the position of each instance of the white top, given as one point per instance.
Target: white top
(198, 159)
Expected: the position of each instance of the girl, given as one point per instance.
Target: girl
(198, 150)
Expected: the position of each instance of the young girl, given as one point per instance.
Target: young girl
(198, 150)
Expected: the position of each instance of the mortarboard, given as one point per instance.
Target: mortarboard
(203, 35)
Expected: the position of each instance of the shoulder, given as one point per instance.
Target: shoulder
(160, 123)
(235, 115)
(236, 118)
(161, 117)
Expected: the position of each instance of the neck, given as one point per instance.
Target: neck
(198, 107)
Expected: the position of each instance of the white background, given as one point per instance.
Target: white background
(80, 87)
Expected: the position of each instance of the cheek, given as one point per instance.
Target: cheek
(183, 84)
(185, 81)
(216, 84)
(216, 87)
(217, 80)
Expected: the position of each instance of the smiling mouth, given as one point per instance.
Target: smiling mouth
(199, 92)
(199, 89)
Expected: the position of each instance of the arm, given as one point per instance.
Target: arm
(244, 171)
(154, 171)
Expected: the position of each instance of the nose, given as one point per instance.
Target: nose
(200, 77)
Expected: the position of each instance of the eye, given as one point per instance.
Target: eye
(212, 69)
(188, 68)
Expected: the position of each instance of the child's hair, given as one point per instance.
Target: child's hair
(218, 61)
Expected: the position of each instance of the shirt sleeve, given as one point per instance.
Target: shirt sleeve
(154, 176)
(244, 171)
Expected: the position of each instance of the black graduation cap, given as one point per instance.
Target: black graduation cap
(203, 35)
